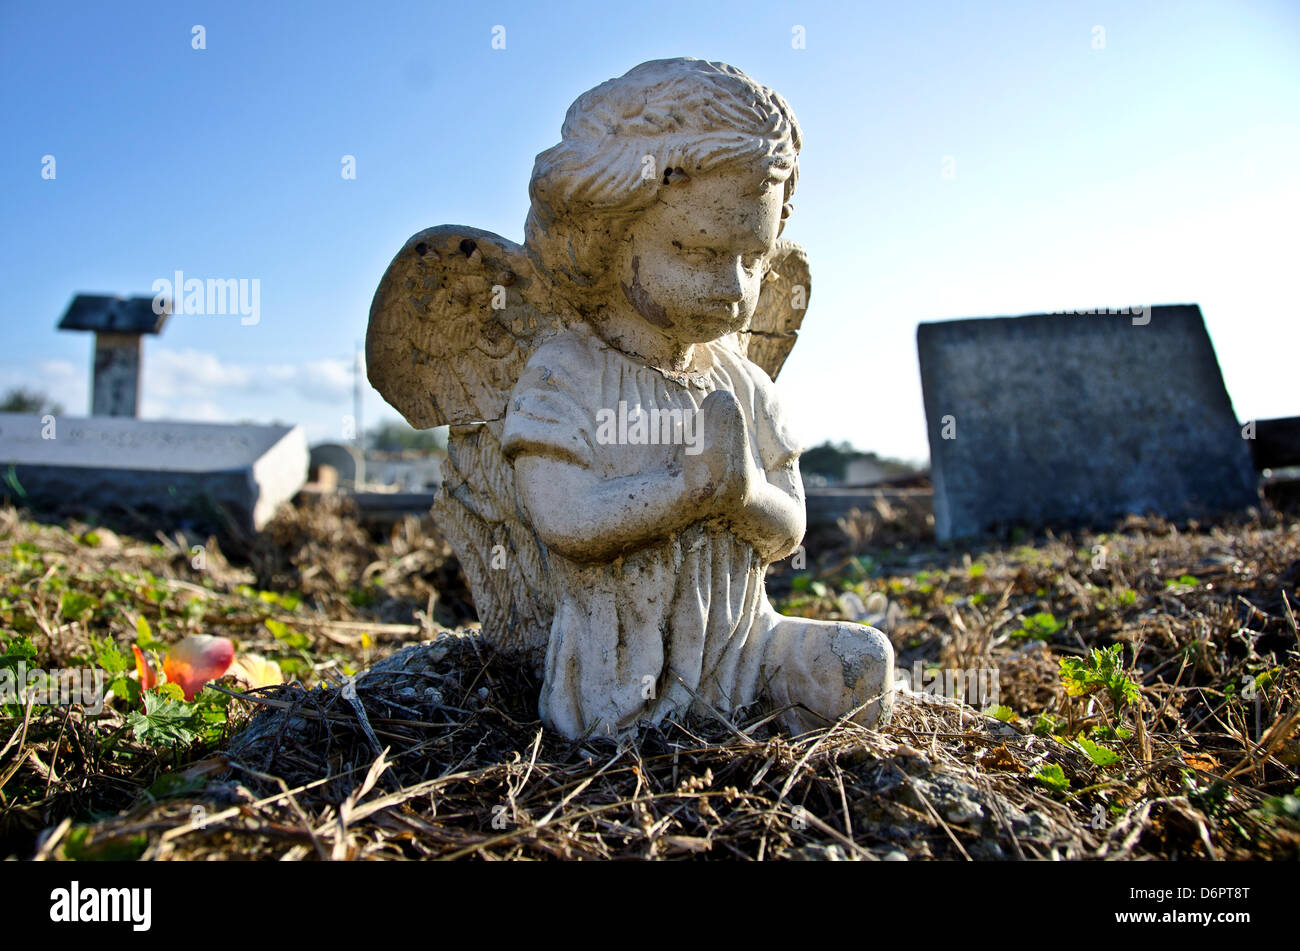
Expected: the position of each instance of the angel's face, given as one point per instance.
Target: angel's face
(694, 261)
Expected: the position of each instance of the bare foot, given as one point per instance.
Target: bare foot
(830, 669)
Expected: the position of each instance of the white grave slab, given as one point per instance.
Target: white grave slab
(154, 465)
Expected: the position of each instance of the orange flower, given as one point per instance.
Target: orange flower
(194, 661)
(145, 670)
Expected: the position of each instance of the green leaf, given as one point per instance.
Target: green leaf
(19, 648)
(165, 720)
(1104, 732)
(292, 666)
(144, 638)
(286, 634)
(1045, 724)
(11, 480)
(1040, 626)
(1288, 805)
(1097, 753)
(175, 784)
(1075, 676)
(78, 846)
(174, 691)
(127, 689)
(1267, 678)
(1001, 712)
(1101, 670)
(76, 605)
(1053, 776)
(112, 660)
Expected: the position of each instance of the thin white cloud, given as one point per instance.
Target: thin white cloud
(327, 381)
(175, 375)
(59, 380)
(196, 411)
(181, 374)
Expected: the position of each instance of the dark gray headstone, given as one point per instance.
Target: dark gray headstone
(119, 324)
(1077, 419)
(346, 460)
(105, 314)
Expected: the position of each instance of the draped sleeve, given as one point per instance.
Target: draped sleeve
(549, 414)
(778, 448)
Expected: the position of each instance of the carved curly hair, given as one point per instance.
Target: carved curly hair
(658, 124)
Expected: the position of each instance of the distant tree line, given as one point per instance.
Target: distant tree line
(831, 461)
(398, 436)
(19, 399)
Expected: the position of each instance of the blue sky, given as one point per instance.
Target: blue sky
(1163, 167)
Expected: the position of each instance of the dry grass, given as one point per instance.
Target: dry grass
(437, 751)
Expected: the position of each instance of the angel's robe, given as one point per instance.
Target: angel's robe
(693, 629)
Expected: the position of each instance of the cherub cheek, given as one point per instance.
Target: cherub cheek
(640, 298)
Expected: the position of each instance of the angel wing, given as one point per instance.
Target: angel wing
(782, 302)
(455, 318)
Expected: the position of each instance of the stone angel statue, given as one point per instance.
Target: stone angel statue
(621, 473)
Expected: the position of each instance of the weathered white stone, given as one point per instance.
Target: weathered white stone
(346, 460)
(154, 465)
(620, 469)
(116, 378)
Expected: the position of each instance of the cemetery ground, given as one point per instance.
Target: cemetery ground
(1148, 705)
